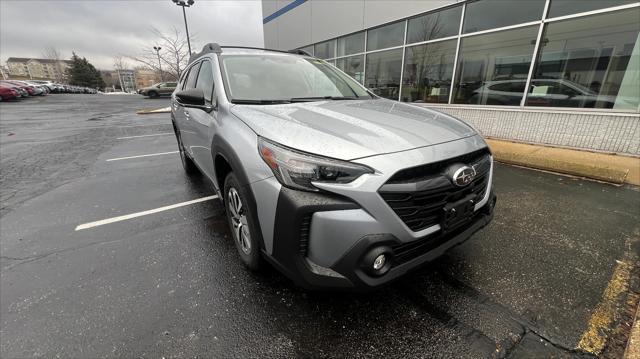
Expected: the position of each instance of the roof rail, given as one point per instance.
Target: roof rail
(300, 52)
(262, 48)
(211, 47)
(217, 49)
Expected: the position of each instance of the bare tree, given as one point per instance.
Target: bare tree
(174, 55)
(429, 61)
(120, 64)
(51, 53)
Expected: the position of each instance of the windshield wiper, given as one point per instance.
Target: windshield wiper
(260, 102)
(320, 98)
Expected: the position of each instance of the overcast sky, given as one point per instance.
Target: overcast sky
(100, 29)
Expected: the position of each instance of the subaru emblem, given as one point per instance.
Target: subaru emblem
(463, 176)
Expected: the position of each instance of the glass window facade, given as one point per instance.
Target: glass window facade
(386, 36)
(428, 70)
(490, 14)
(325, 50)
(353, 66)
(352, 44)
(437, 25)
(588, 60)
(383, 73)
(491, 59)
(568, 7)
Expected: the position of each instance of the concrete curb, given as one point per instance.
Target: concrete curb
(633, 345)
(600, 166)
(159, 110)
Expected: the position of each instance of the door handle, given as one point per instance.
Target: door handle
(186, 114)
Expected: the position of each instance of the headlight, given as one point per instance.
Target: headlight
(298, 169)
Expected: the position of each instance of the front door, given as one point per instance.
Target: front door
(202, 121)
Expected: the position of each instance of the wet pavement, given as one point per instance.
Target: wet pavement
(532, 284)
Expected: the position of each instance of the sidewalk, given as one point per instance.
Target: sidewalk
(605, 167)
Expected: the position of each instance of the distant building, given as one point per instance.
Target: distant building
(40, 69)
(146, 77)
(126, 79)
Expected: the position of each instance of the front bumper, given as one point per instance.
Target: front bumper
(327, 239)
(291, 249)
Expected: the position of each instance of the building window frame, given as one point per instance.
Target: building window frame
(540, 23)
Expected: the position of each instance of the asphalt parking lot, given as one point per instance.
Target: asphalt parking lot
(554, 275)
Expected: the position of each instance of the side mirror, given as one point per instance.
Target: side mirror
(193, 98)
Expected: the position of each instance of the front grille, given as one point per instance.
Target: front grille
(418, 195)
(305, 227)
(405, 252)
(422, 172)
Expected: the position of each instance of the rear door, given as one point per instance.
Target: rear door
(202, 121)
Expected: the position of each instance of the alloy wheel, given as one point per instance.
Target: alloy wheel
(238, 215)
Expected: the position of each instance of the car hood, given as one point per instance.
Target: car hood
(352, 129)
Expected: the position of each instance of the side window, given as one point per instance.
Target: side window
(191, 79)
(183, 80)
(566, 90)
(205, 81)
(504, 87)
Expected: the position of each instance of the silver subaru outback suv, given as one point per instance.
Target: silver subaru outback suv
(334, 186)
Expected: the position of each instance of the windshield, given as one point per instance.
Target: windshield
(281, 78)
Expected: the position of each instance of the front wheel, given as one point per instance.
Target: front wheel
(241, 222)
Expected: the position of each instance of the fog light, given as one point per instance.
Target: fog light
(379, 262)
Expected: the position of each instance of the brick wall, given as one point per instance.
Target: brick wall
(609, 132)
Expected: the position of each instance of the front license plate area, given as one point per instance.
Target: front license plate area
(458, 213)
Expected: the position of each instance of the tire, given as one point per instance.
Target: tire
(242, 223)
(153, 94)
(190, 168)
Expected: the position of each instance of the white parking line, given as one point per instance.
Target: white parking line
(157, 134)
(140, 214)
(149, 155)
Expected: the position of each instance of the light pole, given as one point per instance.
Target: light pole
(158, 48)
(184, 4)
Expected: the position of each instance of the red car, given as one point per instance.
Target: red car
(7, 93)
(22, 90)
(32, 90)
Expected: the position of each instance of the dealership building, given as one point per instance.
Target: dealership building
(563, 73)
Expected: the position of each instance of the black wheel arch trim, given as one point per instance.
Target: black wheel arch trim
(220, 147)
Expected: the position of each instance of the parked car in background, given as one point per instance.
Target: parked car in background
(42, 87)
(53, 87)
(157, 90)
(22, 90)
(26, 88)
(33, 90)
(8, 93)
(542, 92)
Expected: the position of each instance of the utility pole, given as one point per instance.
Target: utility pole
(184, 4)
(158, 48)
